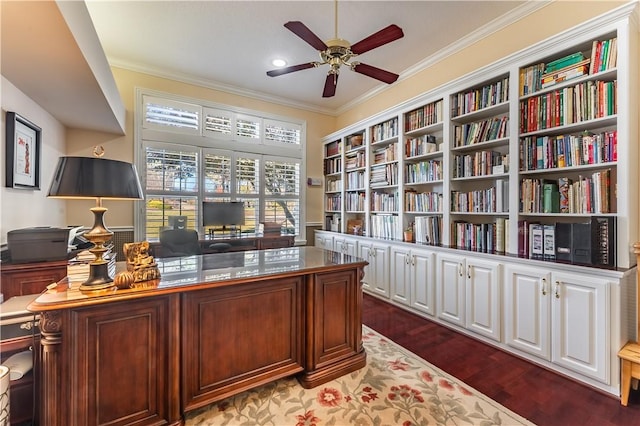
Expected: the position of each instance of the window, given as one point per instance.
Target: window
(228, 156)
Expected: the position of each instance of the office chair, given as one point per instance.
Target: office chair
(179, 242)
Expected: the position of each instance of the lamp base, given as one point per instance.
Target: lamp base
(99, 278)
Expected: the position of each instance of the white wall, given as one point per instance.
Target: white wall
(22, 208)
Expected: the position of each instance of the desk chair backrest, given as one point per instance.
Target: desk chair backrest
(180, 242)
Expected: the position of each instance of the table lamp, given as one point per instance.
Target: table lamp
(88, 178)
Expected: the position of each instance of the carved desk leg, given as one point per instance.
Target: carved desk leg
(50, 395)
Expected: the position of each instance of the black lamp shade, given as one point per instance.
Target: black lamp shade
(92, 177)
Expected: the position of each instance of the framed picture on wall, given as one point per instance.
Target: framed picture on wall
(23, 141)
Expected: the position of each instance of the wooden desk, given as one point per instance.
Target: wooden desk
(20, 279)
(243, 243)
(213, 326)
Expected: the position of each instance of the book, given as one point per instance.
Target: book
(564, 62)
(537, 241)
(563, 238)
(549, 244)
(563, 195)
(500, 235)
(550, 198)
(523, 238)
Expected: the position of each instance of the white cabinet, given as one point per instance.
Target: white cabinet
(468, 294)
(324, 241)
(345, 245)
(376, 273)
(560, 317)
(412, 273)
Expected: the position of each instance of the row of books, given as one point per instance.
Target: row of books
(333, 148)
(428, 230)
(333, 202)
(491, 200)
(573, 104)
(384, 175)
(355, 161)
(423, 116)
(481, 237)
(332, 165)
(480, 163)
(355, 201)
(481, 131)
(384, 226)
(333, 185)
(421, 145)
(384, 202)
(383, 131)
(477, 99)
(356, 180)
(604, 55)
(423, 201)
(423, 171)
(588, 194)
(384, 155)
(549, 152)
(592, 242)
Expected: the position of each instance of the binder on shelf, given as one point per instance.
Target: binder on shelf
(550, 198)
(537, 240)
(563, 241)
(549, 242)
(581, 243)
(603, 240)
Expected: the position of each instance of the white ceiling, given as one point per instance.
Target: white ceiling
(230, 44)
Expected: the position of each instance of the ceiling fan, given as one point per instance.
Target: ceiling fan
(337, 52)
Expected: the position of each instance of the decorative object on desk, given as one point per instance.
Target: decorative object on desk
(5, 403)
(23, 141)
(140, 264)
(396, 387)
(102, 179)
(123, 279)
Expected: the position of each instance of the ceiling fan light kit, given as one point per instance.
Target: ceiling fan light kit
(338, 52)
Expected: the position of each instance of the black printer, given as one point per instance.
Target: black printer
(38, 244)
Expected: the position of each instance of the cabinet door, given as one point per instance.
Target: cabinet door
(365, 252)
(483, 298)
(450, 289)
(580, 318)
(400, 274)
(527, 302)
(345, 245)
(423, 281)
(324, 241)
(381, 267)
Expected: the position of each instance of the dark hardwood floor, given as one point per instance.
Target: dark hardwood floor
(542, 397)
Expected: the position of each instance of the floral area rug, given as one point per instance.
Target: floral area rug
(395, 388)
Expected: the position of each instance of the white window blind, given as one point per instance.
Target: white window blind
(280, 132)
(219, 123)
(217, 173)
(248, 127)
(164, 114)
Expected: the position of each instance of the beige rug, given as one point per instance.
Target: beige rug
(395, 388)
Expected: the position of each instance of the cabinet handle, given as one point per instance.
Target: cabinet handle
(460, 269)
(413, 260)
(372, 252)
(406, 258)
(557, 290)
(469, 271)
(544, 286)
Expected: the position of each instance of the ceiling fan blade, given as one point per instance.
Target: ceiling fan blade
(301, 30)
(293, 68)
(384, 36)
(377, 73)
(330, 85)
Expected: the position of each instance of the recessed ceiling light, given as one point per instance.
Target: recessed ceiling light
(279, 62)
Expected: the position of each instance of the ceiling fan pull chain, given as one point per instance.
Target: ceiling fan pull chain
(336, 13)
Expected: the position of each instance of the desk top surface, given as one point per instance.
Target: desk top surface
(201, 271)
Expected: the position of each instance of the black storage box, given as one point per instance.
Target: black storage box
(38, 244)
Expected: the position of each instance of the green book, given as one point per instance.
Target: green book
(564, 62)
(550, 198)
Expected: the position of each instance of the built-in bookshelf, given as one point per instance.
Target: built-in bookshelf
(568, 153)
(534, 139)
